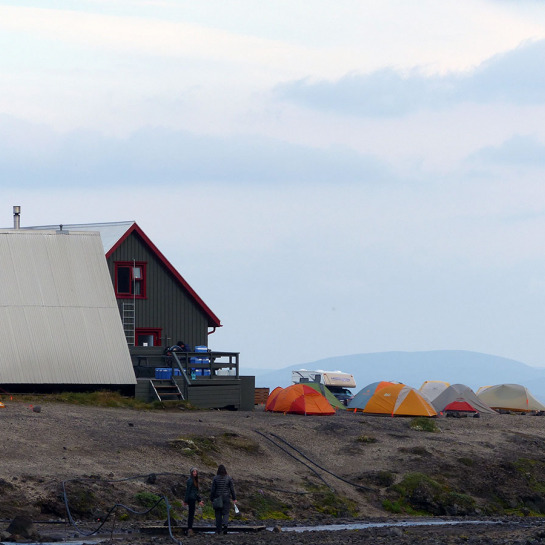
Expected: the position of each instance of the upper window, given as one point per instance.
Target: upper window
(148, 336)
(130, 279)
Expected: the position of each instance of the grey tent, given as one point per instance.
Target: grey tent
(459, 397)
(510, 397)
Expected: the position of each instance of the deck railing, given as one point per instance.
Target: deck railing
(190, 365)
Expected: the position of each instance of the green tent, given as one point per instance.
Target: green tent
(334, 402)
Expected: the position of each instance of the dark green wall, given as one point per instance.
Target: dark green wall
(167, 305)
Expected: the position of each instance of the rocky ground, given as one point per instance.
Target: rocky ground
(289, 470)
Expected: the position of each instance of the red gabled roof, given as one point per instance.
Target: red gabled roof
(213, 320)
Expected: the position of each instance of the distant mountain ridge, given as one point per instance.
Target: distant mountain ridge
(473, 369)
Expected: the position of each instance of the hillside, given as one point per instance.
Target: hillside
(354, 467)
(413, 368)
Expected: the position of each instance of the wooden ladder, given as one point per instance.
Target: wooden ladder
(166, 390)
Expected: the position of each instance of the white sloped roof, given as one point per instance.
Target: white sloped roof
(110, 233)
(58, 313)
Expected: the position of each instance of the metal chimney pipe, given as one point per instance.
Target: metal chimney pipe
(16, 217)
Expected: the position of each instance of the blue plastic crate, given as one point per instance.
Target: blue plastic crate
(165, 373)
(201, 348)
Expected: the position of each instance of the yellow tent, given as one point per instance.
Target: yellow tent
(399, 400)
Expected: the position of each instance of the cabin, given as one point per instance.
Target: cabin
(157, 308)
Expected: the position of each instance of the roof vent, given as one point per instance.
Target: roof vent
(16, 217)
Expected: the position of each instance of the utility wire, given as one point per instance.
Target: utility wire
(321, 467)
(297, 459)
(118, 505)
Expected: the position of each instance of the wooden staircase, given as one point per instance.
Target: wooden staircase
(166, 390)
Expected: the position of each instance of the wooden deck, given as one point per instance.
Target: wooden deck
(207, 380)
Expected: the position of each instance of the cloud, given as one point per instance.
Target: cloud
(520, 150)
(513, 77)
(35, 155)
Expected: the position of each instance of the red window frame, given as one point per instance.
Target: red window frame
(131, 281)
(153, 331)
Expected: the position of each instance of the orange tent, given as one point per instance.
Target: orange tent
(299, 399)
(399, 400)
(271, 400)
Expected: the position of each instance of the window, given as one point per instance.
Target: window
(147, 336)
(130, 279)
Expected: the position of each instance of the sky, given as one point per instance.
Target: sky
(332, 178)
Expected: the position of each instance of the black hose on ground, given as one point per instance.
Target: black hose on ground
(320, 467)
(297, 459)
(118, 505)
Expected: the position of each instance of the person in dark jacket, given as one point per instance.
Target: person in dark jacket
(191, 498)
(180, 346)
(222, 487)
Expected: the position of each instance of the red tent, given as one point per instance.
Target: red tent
(461, 406)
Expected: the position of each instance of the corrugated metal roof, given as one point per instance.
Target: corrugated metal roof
(58, 312)
(110, 233)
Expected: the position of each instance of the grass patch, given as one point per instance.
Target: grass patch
(327, 502)
(393, 506)
(82, 501)
(148, 500)
(417, 493)
(366, 439)
(383, 478)
(99, 398)
(533, 471)
(469, 462)
(421, 423)
(418, 451)
(238, 442)
(267, 507)
(197, 446)
(208, 512)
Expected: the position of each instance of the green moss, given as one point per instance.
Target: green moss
(418, 451)
(149, 500)
(417, 493)
(100, 398)
(197, 446)
(81, 499)
(533, 471)
(392, 506)
(267, 507)
(412, 481)
(462, 502)
(466, 461)
(208, 512)
(366, 439)
(384, 478)
(239, 442)
(329, 503)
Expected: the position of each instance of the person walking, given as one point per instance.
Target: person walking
(223, 489)
(191, 498)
